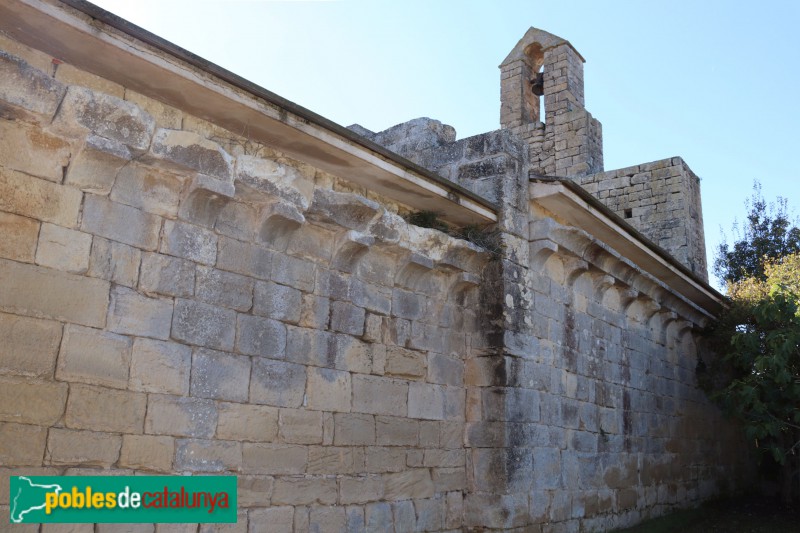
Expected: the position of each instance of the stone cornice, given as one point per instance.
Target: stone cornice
(103, 44)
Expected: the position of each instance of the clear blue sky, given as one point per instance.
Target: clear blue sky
(717, 83)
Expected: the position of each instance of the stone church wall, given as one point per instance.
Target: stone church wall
(176, 298)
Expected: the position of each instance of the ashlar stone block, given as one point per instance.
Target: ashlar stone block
(29, 347)
(220, 375)
(121, 223)
(84, 111)
(114, 261)
(148, 189)
(189, 242)
(69, 447)
(203, 325)
(23, 445)
(27, 93)
(299, 426)
(95, 166)
(31, 402)
(277, 301)
(222, 288)
(160, 367)
(329, 390)
(243, 422)
(147, 452)
(101, 409)
(170, 276)
(277, 383)
(39, 199)
(180, 416)
(134, 314)
(29, 149)
(93, 356)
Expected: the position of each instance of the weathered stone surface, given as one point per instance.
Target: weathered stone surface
(224, 289)
(277, 459)
(160, 367)
(351, 429)
(26, 92)
(293, 272)
(277, 301)
(32, 151)
(237, 220)
(377, 395)
(205, 199)
(277, 383)
(377, 515)
(219, 375)
(271, 520)
(39, 199)
(264, 176)
(360, 490)
(242, 422)
(260, 336)
(100, 409)
(114, 261)
(84, 111)
(29, 346)
(414, 483)
(82, 448)
(347, 318)
(164, 115)
(204, 325)
(22, 445)
(401, 362)
(121, 223)
(63, 249)
(342, 209)
(20, 237)
(148, 189)
(298, 426)
(95, 166)
(31, 402)
(408, 305)
(190, 242)
(162, 274)
(95, 357)
(133, 314)
(329, 390)
(244, 258)
(426, 401)
(185, 150)
(331, 459)
(304, 491)
(196, 455)
(147, 452)
(253, 490)
(71, 75)
(327, 519)
(180, 416)
(395, 431)
(49, 293)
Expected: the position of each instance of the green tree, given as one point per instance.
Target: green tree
(768, 234)
(755, 376)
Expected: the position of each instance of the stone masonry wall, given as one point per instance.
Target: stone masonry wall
(661, 200)
(175, 298)
(178, 299)
(589, 417)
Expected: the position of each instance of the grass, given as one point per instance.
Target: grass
(729, 516)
